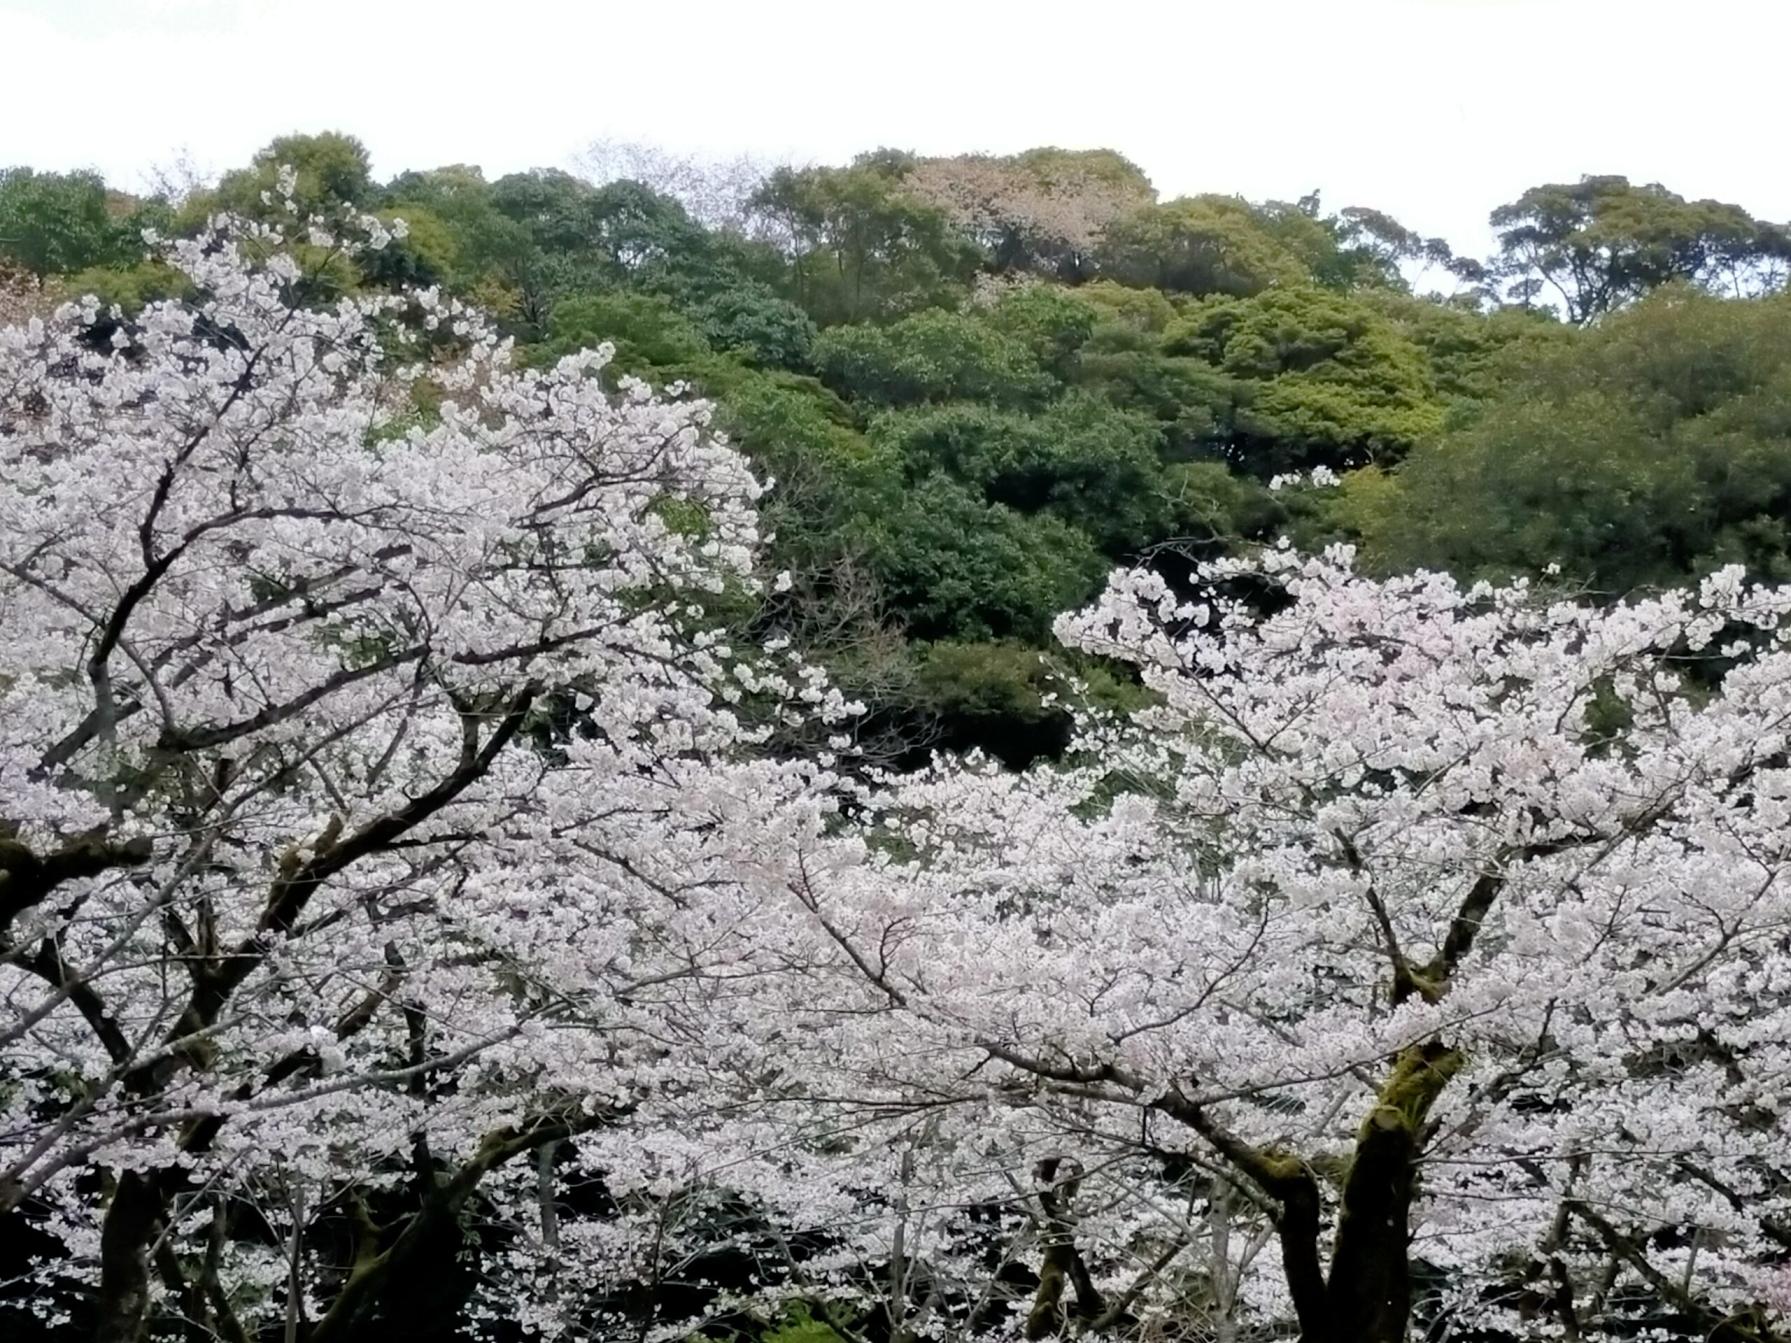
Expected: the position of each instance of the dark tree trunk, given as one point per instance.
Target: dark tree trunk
(1059, 1179)
(1368, 1294)
(126, 1235)
(1297, 1230)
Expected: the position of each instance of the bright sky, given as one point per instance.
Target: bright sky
(1433, 110)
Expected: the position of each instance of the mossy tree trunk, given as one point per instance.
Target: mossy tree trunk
(1368, 1292)
(1059, 1180)
(1365, 1297)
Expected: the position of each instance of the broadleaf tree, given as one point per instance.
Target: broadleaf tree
(1441, 930)
(376, 791)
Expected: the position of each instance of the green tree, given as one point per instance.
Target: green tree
(1081, 460)
(1196, 407)
(484, 253)
(858, 244)
(428, 254)
(958, 567)
(1201, 245)
(1472, 354)
(652, 338)
(1656, 446)
(1053, 323)
(931, 356)
(828, 477)
(556, 212)
(128, 287)
(564, 237)
(1599, 243)
(1114, 304)
(54, 223)
(1372, 246)
(1321, 377)
(1355, 248)
(332, 170)
(749, 320)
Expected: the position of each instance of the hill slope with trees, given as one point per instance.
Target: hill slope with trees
(979, 382)
(491, 840)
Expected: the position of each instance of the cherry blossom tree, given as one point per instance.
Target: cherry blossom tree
(1443, 929)
(1045, 208)
(400, 835)
(717, 193)
(379, 795)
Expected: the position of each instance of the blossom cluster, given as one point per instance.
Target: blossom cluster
(386, 806)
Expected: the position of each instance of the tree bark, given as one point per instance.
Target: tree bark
(1297, 1230)
(1368, 1293)
(141, 1201)
(375, 1267)
(1059, 1180)
(122, 1302)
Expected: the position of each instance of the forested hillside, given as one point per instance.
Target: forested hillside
(981, 382)
(931, 749)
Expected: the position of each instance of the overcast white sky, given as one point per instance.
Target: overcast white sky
(1434, 110)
